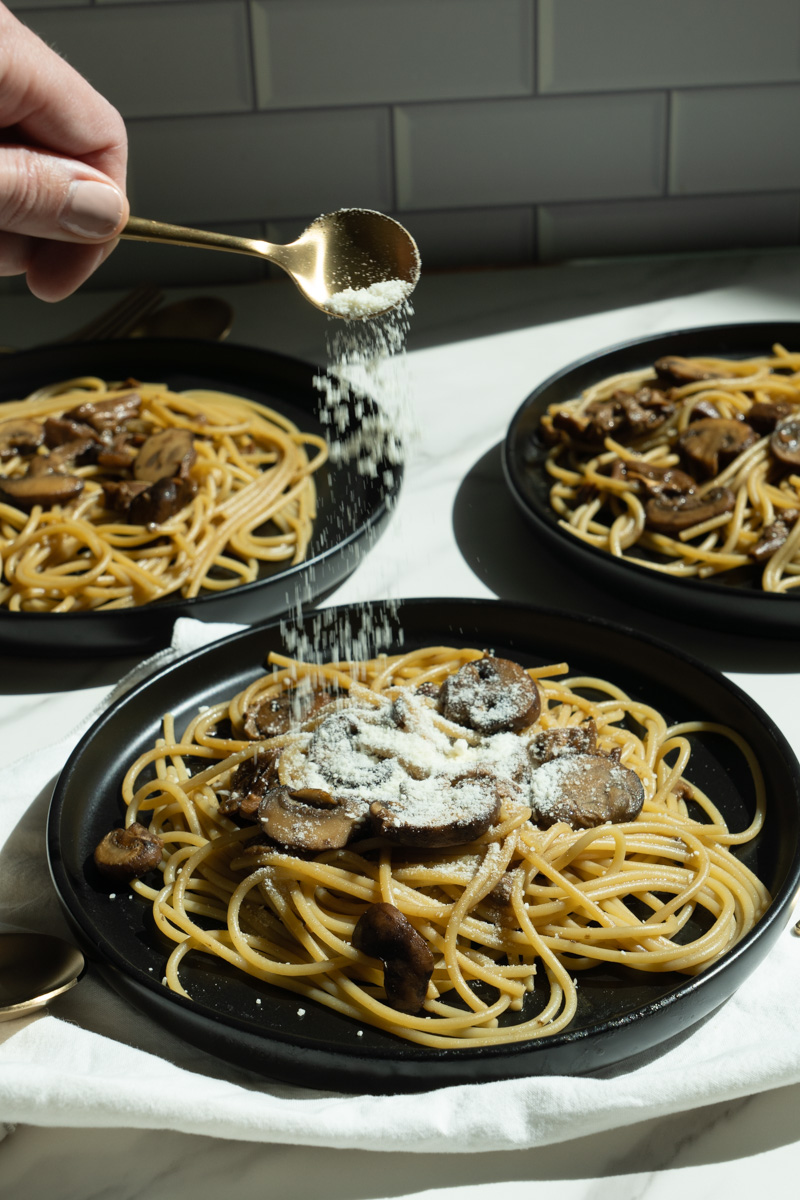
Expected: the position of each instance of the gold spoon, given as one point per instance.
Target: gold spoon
(350, 263)
(34, 968)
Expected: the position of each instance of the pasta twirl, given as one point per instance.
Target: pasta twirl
(513, 917)
(249, 497)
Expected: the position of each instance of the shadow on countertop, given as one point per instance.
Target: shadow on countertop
(509, 558)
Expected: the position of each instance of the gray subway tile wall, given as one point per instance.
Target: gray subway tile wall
(499, 131)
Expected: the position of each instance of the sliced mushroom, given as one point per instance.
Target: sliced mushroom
(674, 371)
(708, 445)
(164, 454)
(774, 535)
(78, 450)
(502, 891)
(44, 490)
(119, 455)
(442, 810)
(307, 820)
(249, 784)
(653, 480)
(490, 695)
(645, 410)
(566, 739)
(120, 492)
(785, 442)
(160, 501)
(384, 932)
(584, 790)
(19, 436)
(107, 414)
(623, 415)
(764, 416)
(274, 715)
(671, 514)
(58, 430)
(704, 409)
(335, 750)
(128, 853)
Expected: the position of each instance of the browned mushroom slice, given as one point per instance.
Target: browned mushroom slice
(274, 715)
(119, 455)
(160, 501)
(584, 790)
(490, 695)
(78, 450)
(19, 436)
(645, 410)
(704, 409)
(764, 416)
(567, 739)
(674, 371)
(120, 492)
(671, 514)
(773, 535)
(336, 752)
(708, 445)
(385, 933)
(164, 454)
(58, 430)
(128, 853)
(307, 820)
(44, 490)
(624, 415)
(250, 782)
(653, 480)
(441, 810)
(785, 442)
(502, 891)
(107, 414)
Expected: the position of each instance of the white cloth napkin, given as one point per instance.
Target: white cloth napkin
(95, 1062)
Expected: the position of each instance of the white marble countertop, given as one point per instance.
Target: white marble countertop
(479, 343)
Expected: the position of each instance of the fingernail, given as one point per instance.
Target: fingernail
(92, 209)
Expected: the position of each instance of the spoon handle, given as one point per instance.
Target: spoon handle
(138, 229)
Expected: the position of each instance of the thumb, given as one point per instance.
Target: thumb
(49, 196)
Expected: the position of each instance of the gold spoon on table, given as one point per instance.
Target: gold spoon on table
(350, 263)
(34, 968)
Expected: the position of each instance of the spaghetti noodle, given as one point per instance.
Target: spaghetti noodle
(511, 917)
(236, 491)
(689, 468)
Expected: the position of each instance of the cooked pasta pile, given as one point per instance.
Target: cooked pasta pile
(690, 468)
(512, 918)
(245, 496)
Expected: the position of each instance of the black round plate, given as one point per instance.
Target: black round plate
(735, 602)
(621, 1014)
(353, 508)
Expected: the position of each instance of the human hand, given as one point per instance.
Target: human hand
(63, 154)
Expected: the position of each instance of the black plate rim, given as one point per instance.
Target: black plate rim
(767, 928)
(293, 373)
(545, 521)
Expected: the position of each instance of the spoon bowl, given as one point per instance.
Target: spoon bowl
(353, 263)
(34, 968)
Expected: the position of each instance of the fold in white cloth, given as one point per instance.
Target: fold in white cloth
(95, 1062)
